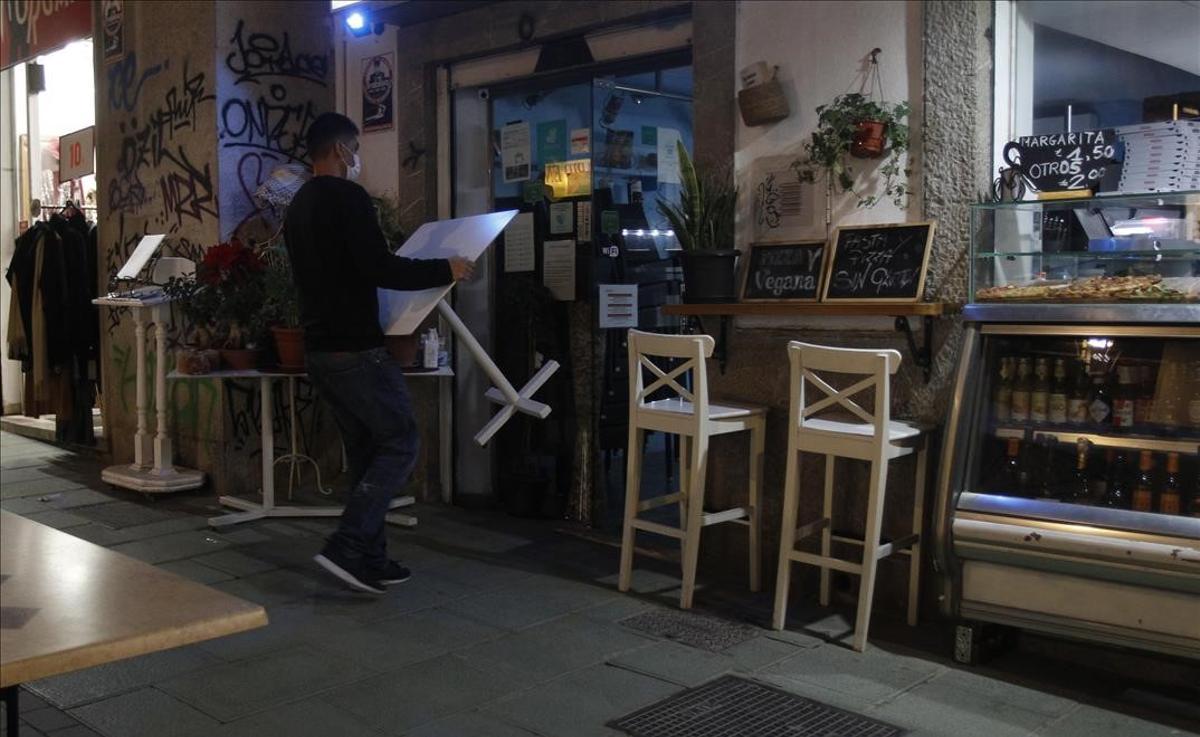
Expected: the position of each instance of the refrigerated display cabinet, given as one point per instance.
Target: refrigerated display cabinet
(1069, 485)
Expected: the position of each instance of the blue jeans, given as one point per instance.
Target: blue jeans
(371, 406)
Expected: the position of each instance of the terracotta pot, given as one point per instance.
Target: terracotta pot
(403, 348)
(868, 140)
(240, 359)
(194, 361)
(289, 344)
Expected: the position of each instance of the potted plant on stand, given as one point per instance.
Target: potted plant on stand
(236, 276)
(282, 310)
(854, 125)
(198, 306)
(703, 225)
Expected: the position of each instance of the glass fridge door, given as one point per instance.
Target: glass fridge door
(1095, 426)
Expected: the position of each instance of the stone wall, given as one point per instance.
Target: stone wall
(948, 63)
(206, 99)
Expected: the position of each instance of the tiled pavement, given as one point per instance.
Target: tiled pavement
(508, 629)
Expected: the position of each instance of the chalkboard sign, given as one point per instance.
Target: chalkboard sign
(777, 272)
(1063, 161)
(879, 263)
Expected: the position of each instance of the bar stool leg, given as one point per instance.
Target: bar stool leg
(914, 565)
(870, 559)
(827, 533)
(685, 456)
(695, 519)
(633, 484)
(757, 446)
(787, 536)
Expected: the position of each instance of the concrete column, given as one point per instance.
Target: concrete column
(205, 99)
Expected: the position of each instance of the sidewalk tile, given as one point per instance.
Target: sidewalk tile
(232, 690)
(940, 709)
(273, 588)
(235, 563)
(195, 571)
(551, 649)
(416, 694)
(469, 725)
(579, 704)
(1089, 721)
(58, 519)
(171, 547)
(147, 712)
(306, 718)
(872, 676)
(111, 679)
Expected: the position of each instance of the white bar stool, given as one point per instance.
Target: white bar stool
(690, 416)
(875, 438)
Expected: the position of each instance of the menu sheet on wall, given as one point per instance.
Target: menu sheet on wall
(515, 151)
(558, 269)
(518, 244)
(562, 218)
(668, 156)
(618, 306)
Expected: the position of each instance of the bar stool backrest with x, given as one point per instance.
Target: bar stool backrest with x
(857, 433)
(676, 365)
(809, 407)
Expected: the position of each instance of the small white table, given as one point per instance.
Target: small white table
(153, 470)
(268, 508)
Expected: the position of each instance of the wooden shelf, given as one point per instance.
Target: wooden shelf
(815, 309)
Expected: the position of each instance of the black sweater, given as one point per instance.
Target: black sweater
(339, 258)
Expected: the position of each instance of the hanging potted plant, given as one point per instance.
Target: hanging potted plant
(853, 125)
(703, 225)
(282, 310)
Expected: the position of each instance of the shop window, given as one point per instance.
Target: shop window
(1063, 65)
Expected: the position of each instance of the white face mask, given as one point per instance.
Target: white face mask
(354, 169)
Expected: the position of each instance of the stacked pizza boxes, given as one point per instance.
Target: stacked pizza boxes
(1160, 157)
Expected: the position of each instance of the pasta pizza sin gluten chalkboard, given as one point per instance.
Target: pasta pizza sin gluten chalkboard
(878, 263)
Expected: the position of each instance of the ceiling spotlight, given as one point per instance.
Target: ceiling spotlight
(357, 23)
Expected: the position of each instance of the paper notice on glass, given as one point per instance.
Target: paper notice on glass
(618, 306)
(583, 222)
(558, 269)
(581, 141)
(519, 252)
(668, 156)
(562, 217)
(515, 151)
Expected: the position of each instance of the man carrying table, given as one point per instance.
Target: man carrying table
(339, 258)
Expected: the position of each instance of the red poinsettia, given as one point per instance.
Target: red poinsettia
(229, 262)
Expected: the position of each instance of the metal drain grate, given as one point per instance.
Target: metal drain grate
(735, 707)
(697, 630)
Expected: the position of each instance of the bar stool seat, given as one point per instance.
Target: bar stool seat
(691, 417)
(897, 430)
(875, 438)
(716, 412)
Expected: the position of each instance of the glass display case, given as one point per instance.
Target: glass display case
(1069, 485)
(1070, 489)
(1117, 250)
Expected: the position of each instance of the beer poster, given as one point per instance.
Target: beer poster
(378, 92)
(113, 15)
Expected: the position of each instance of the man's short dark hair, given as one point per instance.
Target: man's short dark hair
(326, 131)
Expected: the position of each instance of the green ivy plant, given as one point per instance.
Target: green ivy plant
(703, 219)
(828, 152)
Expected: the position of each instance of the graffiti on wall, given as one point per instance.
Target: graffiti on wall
(263, 122)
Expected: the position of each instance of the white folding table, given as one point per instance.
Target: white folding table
(250, 510)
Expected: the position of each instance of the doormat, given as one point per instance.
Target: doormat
(737, 707)
(697, 630)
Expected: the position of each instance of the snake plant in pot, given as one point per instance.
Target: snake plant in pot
(703, 224)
